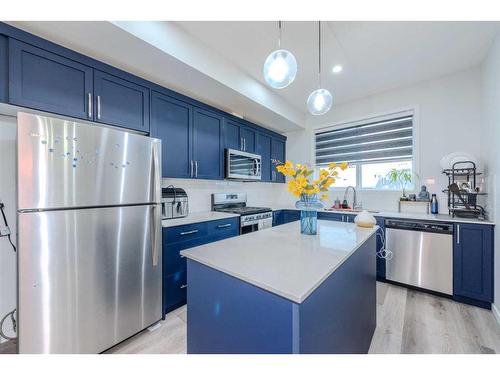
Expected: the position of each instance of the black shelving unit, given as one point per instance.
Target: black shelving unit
(464, 172)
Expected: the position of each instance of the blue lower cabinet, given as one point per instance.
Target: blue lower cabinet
(174, 291)
(291, 215)
(176, 239)
(332, 216)
(278, 218)
(222, 229)
(473, 264)
(380, 244)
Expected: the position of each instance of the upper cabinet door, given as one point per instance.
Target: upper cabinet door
(42, 80)
(208, 149)
(473, 262)
(248, 135)
(120, 102)
(264, 150)
(232, 136)
(171, 121)
(4, 69)
(277, 157)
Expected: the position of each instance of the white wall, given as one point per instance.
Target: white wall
(448, 120)
(8, 197)
(490, 145)
(199, 192)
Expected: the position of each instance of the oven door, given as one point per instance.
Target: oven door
(242, 165)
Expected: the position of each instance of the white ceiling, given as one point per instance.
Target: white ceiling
(376, 56)
(220, 63)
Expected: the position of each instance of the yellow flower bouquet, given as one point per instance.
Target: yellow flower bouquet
(303, 185)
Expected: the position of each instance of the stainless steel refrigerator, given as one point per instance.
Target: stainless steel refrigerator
(89, 232)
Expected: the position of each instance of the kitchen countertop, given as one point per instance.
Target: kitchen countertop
(280, 259)
(404, 215)
(197, 217)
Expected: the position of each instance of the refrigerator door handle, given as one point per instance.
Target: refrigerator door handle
(156, 174)
(156, 233)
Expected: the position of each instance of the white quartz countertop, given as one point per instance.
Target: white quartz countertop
(197, 217)
(280, 259)
(404, 215)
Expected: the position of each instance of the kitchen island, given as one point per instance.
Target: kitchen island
(277, 291)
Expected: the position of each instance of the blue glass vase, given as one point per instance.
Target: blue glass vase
(309, 206)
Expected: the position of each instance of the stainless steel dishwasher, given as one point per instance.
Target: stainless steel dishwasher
(422, 254)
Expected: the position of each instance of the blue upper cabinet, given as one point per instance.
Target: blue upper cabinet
(473, 262)
(171, 121)
(263, 148)
(4, 69)
(232, 136)
(238, 136)
(120, 102)
(42, 80)
(277, 157)
(208, 150)
(248, 136)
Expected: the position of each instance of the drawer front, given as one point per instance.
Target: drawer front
(174, 291)
(221, 229)
(185, 232)
(291, 215)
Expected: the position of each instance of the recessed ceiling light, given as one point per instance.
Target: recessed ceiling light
(337, 69)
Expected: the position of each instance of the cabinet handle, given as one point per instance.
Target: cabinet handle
(241, 143)
(183, 286)
(98, 107)
(196, 168)
(191, 173)
(244, 144)
(224, 225)
(89, 104)
(189, 232)
(458, 234)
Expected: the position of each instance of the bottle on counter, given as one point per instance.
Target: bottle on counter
(336, 204)
(434, 204)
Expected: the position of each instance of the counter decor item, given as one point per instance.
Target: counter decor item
(365, 219)
(434, 205)
(423, 196)
(401, 178)
(302, 185)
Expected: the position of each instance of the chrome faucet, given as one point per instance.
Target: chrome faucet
(354, 201)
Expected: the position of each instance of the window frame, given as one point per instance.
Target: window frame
(413, 109)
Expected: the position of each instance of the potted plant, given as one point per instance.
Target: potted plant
(401, 177)
(302, 185)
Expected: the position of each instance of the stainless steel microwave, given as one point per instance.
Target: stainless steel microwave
(241, 165)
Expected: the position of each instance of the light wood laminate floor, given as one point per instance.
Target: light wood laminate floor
(407, 322)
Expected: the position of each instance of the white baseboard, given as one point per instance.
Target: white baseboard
(496, 312)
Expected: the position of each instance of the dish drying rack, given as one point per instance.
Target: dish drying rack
(464, 174)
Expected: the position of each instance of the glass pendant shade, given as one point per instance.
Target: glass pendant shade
(319, 102)
(280, 69)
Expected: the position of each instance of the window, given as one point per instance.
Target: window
(372, 148)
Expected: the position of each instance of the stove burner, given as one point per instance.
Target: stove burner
(244, 210)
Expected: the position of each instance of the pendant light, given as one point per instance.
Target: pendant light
(320, 101)
(280, 66)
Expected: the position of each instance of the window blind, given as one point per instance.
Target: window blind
(377, 141)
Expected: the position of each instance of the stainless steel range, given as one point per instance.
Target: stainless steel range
(251, 218)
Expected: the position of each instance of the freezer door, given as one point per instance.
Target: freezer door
(87, 278)
(69, 164)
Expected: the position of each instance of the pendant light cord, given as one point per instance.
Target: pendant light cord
(319, 54)
(279, 34)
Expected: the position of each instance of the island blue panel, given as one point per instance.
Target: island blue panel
(340, 316)
(227, 315)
